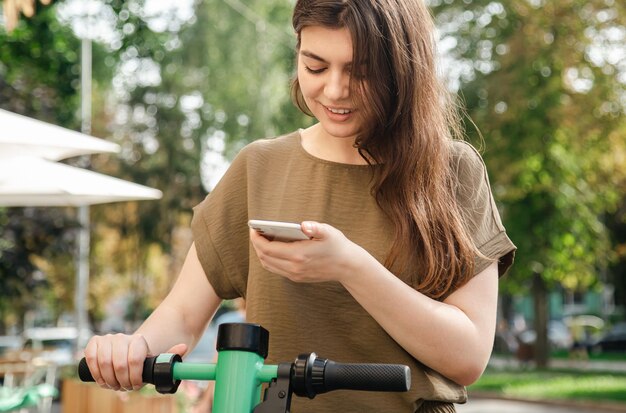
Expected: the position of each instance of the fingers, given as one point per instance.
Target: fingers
(266, 248)
(257, 238)
(311, 229)
(179, 349)
(137, 353)
(91, 356)
(304, 261)
(317, 230)
(116, 361)
(283, 258)
(105, 364)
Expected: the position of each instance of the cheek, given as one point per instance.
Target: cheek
(308, 84)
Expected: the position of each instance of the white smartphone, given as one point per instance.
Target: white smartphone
(278, 231)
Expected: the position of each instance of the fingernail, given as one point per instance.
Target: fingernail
(308, 226)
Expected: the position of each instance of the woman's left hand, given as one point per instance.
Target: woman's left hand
(327, 256)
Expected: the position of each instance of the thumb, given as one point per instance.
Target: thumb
(314, 229)
(179, 349)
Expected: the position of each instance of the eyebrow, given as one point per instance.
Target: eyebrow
(313, 56)
(316, 57)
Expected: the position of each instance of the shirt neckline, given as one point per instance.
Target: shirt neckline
(326, 161)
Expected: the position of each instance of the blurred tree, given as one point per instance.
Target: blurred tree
(617, 270)
(38, 78)
(545, 83)
(189, 89)
(180, 86)
(182, 92)
(28, 237)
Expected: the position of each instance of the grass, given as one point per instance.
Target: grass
(554, 384)
(564, 354)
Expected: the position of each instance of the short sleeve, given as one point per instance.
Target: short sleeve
(220, 232)
(480, 213)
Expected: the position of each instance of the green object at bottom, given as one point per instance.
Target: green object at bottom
(238, 379)
(19, 398)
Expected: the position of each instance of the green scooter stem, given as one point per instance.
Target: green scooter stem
(204, 372)
(242, 349)
(244, 373)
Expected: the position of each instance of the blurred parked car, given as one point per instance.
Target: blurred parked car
(584, 327)
(613, 341)
(559, 336)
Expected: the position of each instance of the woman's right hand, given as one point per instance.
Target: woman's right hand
(116, 360)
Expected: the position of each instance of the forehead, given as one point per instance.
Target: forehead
(333, 45)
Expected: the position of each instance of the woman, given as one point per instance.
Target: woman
(406, 246)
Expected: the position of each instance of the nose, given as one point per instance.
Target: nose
(337, 85)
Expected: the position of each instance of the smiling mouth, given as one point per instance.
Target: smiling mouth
(339, 111)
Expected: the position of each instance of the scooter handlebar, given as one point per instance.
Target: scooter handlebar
(156, 370)
(312, 375)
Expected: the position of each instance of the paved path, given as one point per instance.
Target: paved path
(500, 406)
(491, 406)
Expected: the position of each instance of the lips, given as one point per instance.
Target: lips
(339, 111)
(338, 114)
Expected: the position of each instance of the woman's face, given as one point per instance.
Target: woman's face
(324, 67)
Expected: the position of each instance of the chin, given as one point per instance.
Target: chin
(341, 132)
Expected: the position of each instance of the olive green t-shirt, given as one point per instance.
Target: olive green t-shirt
(276, 179)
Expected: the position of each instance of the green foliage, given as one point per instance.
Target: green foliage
(219, 76)
(39, 69)
(25, 235)
(39, 75)
(221, 80)
(169, 91)
(547, 96)
(538, 78)
(617, 223)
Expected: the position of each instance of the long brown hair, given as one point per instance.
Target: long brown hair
(411, 120)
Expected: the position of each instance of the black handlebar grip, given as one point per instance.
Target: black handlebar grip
(84, 374)
(370, 377)
(312, 375)
(147, 376)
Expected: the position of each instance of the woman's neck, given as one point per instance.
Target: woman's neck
(318, 143)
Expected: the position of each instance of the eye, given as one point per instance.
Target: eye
(314, 71)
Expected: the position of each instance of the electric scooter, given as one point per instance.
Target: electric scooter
(240, 374)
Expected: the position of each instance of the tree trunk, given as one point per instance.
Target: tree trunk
(506, 308)
(540, 298)
(3, 326)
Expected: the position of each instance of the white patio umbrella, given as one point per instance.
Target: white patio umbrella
(24, 136)
(30, 181)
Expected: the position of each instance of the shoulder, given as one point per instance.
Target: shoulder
(271, 147)
(466, 162)
(264, 153)
(469, 173)
(463, 154)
